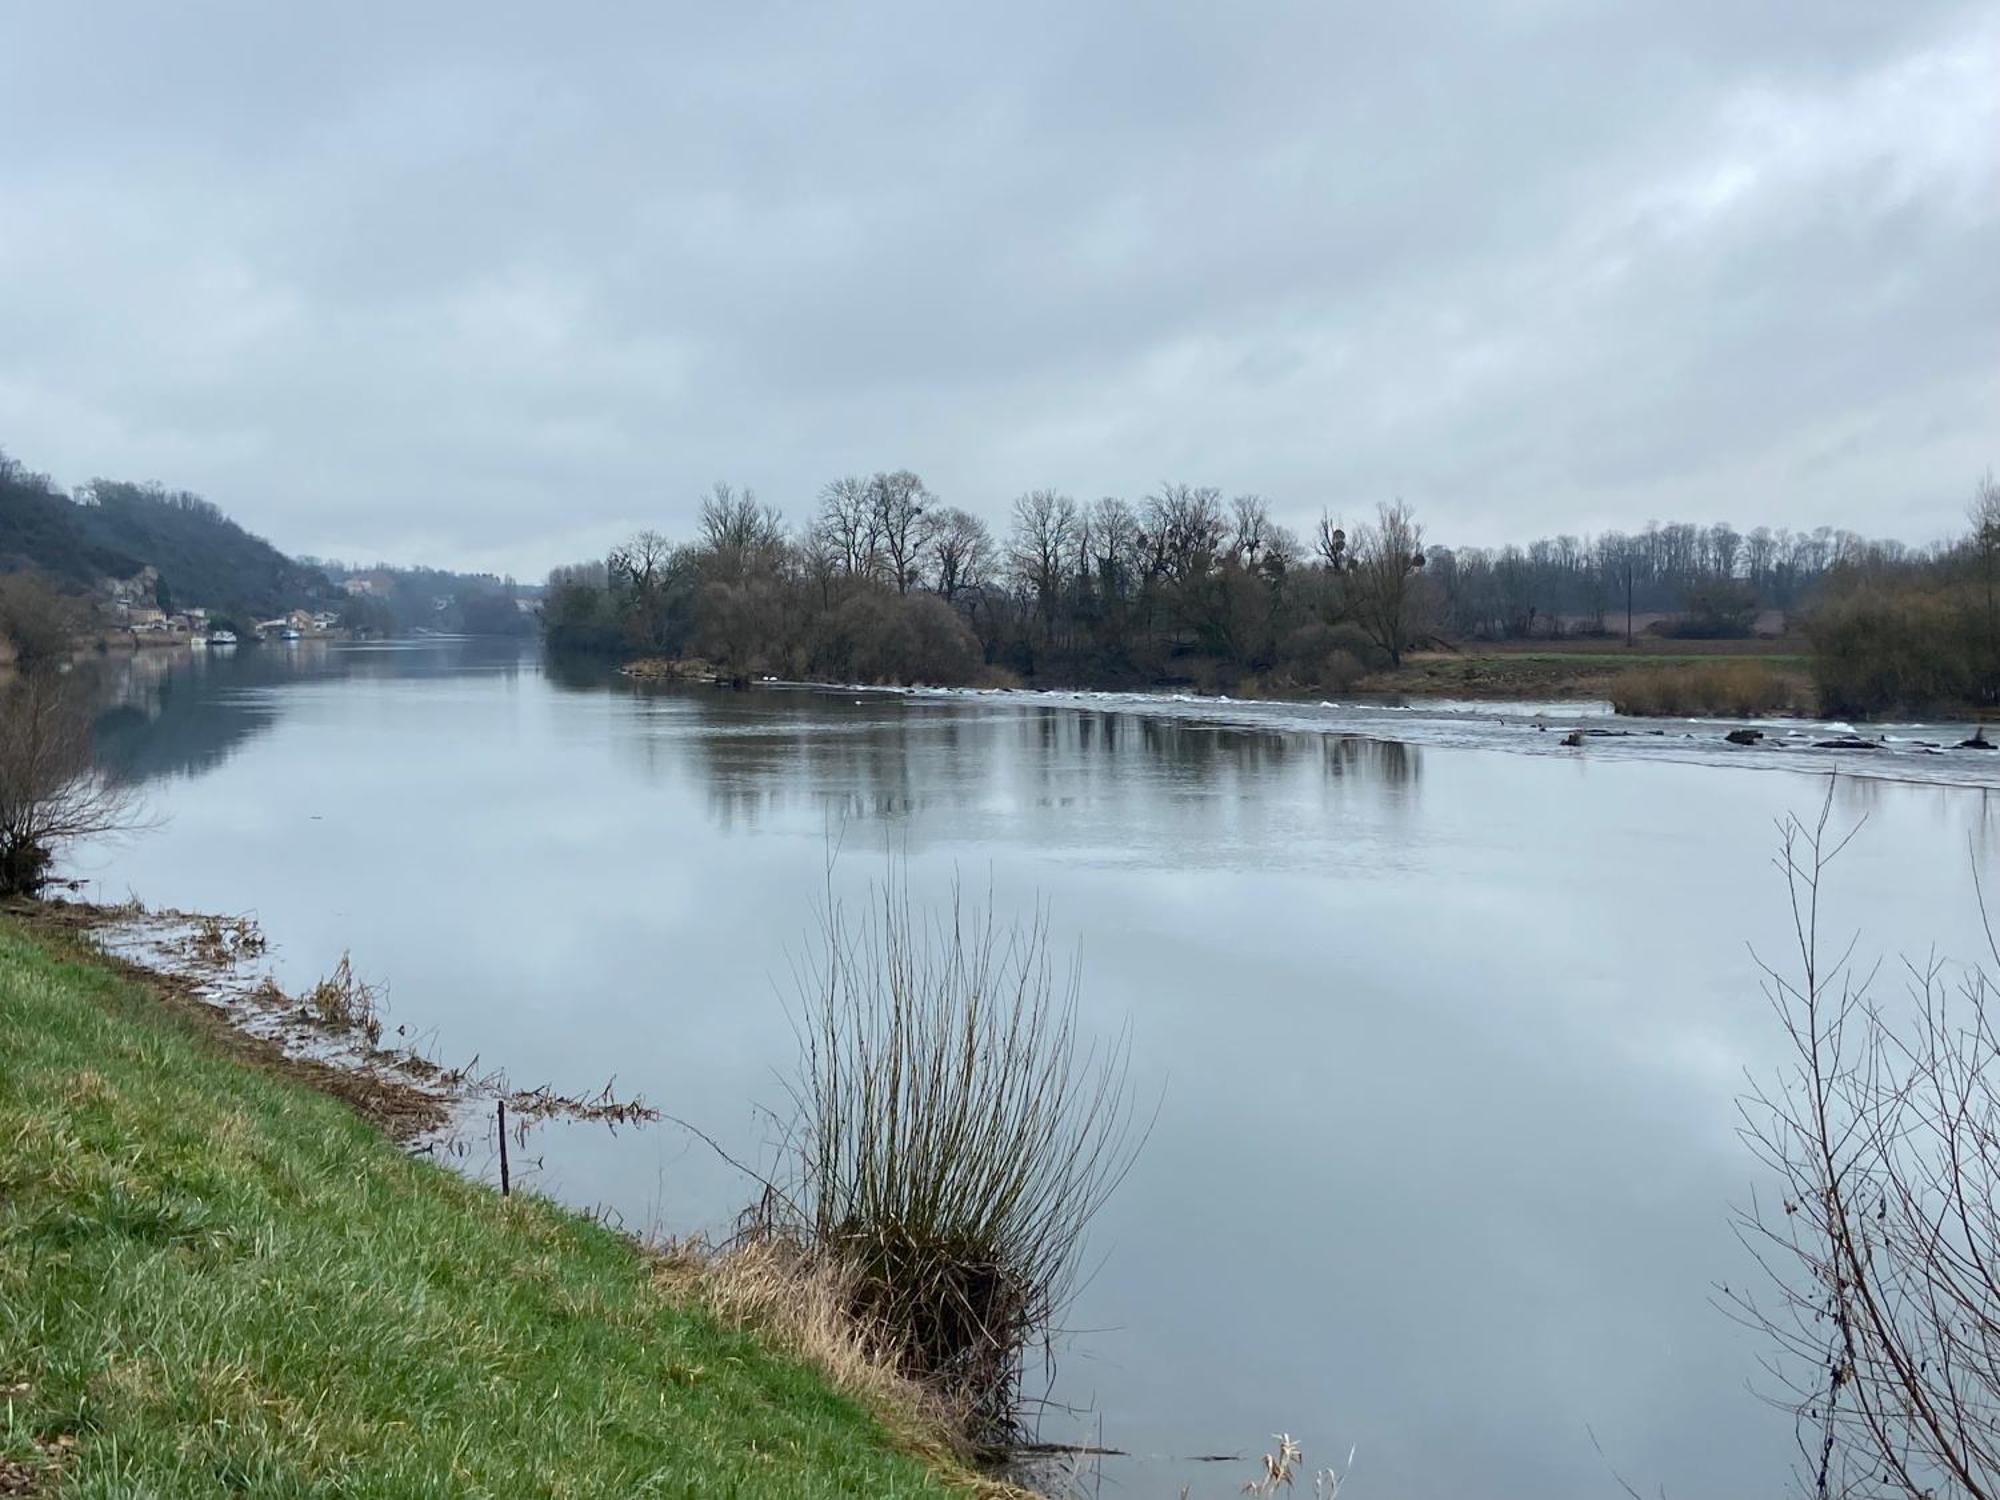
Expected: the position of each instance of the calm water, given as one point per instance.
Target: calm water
(1445, 1027)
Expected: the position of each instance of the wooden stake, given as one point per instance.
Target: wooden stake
(505, 1186)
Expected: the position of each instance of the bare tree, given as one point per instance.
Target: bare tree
(1250, 528)
(50, 793)
(847, 521)
(1883, 1249)
(1045, 526)
(1383, 587)
(1114, 543)
(960, 549)
(1330, 541)
(898, 504)
(736, 530)
(648, 571)
(1184, 531)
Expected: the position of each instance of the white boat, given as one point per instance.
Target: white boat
(289, 633)
(222, 638)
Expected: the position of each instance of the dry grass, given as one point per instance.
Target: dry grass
(1734, 689)
(1281, 1469)
(799, 1303)
(218, 942)
(342, 1003)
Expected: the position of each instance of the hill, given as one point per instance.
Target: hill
(112, 529)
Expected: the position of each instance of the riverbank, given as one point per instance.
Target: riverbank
(215, 1276)
(1661, 678)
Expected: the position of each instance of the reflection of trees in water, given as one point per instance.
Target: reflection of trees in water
(885, 758)
(882, 758)
(756, 753)
(1857, 798)
(1203, 750)
(575, 673)
(1390, 762)
(180, 713)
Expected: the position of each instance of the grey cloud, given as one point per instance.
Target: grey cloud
(490, 285)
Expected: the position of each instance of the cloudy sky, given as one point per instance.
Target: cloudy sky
(492, 285)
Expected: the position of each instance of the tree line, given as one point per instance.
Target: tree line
(883, 581)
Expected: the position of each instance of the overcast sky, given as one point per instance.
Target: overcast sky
(492, 285)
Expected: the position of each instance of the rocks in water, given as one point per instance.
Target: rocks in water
(1978, 740)
(1847, 742)
(1744, 736)
(1574, 739)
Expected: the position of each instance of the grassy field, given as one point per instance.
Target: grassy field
(215, 1280)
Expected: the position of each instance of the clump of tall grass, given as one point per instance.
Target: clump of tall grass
(1733, 689)
(957, 1133)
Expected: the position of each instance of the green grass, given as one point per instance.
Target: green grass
(214, 1281)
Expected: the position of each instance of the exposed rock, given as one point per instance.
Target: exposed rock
(1744, 736)
(1847, 742)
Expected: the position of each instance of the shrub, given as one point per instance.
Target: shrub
(38, 620)
(50, 792)
(883, 637)
(1327, 656)
(956, 1135)
(1900, 648)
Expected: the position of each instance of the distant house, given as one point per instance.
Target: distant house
(145, 617)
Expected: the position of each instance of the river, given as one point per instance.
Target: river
(1444, 1023)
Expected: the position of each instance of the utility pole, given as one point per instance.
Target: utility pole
(1628, 601)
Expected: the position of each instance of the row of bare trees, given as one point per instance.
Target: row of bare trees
(1183, 584)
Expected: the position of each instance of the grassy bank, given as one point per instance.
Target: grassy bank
(215, 1279)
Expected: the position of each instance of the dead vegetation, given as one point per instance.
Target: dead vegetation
(1881, 1250)
(342, 1003)
(1281, 1469)
(219, 942)
(330, 1037)
(775, 1286)
(1737, 689)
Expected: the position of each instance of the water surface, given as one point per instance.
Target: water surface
(1445, 1027)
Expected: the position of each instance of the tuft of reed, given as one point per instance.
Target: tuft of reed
(956, 1134)
(1733, 689)
(340, 1002)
